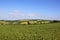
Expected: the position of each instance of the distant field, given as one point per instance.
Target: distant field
(30, 32)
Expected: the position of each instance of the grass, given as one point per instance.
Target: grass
(30, 32)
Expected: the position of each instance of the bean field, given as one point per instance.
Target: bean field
(30, 32)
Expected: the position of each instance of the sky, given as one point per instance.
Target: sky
(29, 9)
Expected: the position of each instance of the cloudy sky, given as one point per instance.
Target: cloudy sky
(29, 9)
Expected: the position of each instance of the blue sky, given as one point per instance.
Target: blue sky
(29, 9)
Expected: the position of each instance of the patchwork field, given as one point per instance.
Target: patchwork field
(30, 32)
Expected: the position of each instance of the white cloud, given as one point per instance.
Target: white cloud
(15, 14)
(31, 14)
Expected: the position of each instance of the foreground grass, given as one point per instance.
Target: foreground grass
(30, 32)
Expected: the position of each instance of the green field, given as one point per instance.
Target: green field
(30, 32)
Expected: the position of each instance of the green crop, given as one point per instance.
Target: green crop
(30, 32)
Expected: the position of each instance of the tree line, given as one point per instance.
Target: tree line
(6, 22)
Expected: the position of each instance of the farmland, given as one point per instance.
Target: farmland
(30, 32)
